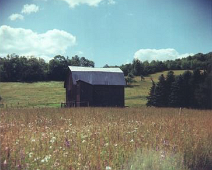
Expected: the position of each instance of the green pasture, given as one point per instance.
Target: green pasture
(40, 94)
(51, 94)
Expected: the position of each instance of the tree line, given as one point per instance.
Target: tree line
(192, 89)
(138, 68)
(14, 68)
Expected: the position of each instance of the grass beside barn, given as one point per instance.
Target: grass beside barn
(106, 138)
(51, 94)
(39, 94)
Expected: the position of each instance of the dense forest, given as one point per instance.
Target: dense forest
(14, 68)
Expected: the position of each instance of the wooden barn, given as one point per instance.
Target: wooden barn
(87, 86)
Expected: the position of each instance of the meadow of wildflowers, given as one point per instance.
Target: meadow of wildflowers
(106, 138)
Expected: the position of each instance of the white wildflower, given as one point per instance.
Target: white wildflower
(108, 168)
(53, 139)
(30, 154)
(83, 136)
(46, 159)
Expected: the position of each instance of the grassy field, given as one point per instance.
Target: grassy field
(51, 94)
(106, 138)
(40, 94)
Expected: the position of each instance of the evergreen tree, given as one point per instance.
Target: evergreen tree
(195, 82)
(176, 95)
(186, 89)
(170, 78)
(151, 97)
(203, 92)
(160, 92)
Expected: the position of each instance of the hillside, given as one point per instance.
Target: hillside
(136, 94)
(51, 94)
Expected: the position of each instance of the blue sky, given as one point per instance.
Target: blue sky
(106, 31)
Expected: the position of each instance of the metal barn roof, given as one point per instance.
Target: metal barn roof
(98, 76)
(114, 70)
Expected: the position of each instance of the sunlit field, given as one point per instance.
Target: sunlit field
(106, 138)
(51, 94)
(38, 94)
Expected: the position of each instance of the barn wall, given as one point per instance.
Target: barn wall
(84, 94)
(67, 85)
(70, 89)
(104, 95)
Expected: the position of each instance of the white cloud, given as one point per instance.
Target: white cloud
(161, 54)
(28, 9)
(26, 42)
(16, 16)
(79, 53)
(73, 3)
(111, 2)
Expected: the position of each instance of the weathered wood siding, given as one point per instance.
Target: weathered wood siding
(71, 89)
(84, 94)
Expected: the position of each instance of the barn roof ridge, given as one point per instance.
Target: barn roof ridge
(96, 76)
(91, 69)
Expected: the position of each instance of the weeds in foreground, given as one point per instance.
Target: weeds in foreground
(106, 138)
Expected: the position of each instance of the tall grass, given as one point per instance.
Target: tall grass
(106, 138)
